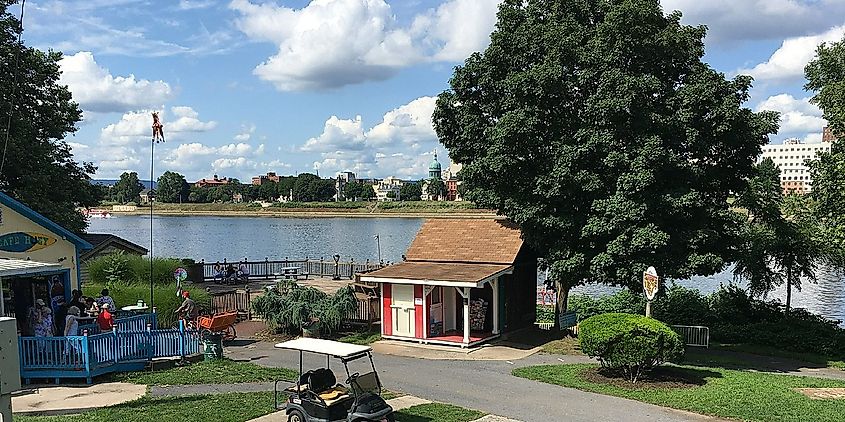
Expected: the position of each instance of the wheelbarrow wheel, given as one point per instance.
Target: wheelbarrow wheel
(230, 334)
(296, 416)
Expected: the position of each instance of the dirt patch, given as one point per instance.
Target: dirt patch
(659, 378)
(823, 393)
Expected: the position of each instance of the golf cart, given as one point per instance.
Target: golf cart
(316, 396)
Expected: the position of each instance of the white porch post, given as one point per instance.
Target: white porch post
(466, 314)
(495, 285)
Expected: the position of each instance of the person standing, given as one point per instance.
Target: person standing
(72, 329)
(105, 320)
(76, 299)
(105, 298)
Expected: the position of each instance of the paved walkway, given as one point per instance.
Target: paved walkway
(58, 400)
(496, 351)
(487, 386)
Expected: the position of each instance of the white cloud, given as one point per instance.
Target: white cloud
(788, 61)
(97, 90)
(400, 145)
(195, 4)
(409, 124)
(245, 134)
(187, 120)
(332, 43)
(798, 116)
(730, 21)
(338, 134)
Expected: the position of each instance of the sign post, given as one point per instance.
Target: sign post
(650, 287)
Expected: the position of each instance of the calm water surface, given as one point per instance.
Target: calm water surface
(234, 238)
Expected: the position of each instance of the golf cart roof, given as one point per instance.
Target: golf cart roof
(325, 347)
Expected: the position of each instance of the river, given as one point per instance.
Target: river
(256, 238)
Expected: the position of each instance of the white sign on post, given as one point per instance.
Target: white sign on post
(651, 283)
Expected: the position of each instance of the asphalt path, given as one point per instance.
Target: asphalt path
(487, 386)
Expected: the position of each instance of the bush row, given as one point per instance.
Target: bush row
(130, 269)
(166, 300)
(732, 315)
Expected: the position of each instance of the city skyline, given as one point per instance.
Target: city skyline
(240, 95)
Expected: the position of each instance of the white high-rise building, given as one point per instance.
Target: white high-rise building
(790, 158)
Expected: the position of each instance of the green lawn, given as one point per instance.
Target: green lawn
(780, 353)
(744, 395)
(564, 346)
(230, 407)
(437, 412)
(222, 371)
(364, 339)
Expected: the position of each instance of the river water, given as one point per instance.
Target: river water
(256, 238)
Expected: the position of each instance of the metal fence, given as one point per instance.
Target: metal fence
(693, 335)
(269, 270)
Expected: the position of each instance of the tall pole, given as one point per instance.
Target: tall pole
(378, 245)
(152, 201)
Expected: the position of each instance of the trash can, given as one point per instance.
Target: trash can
(212, 346)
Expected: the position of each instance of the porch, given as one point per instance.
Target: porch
(458, 304)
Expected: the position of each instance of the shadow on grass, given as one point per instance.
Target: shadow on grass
(728, 359)
(664, 377)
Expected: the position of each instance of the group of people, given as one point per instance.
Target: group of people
(230, 273)
(65, 322)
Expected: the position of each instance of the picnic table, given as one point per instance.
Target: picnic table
(290, 272)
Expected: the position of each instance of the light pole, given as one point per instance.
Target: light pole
(378, 245)
(336, 264)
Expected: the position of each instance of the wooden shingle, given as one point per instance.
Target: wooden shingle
(467, 241)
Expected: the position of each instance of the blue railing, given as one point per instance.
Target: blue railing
(131, 324)
(91, 355)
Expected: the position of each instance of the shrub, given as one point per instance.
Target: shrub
(682, 306)
(166, 300)
(623, 301)
(287, 308)
(545, 313)
(128, 269)
(630, 343)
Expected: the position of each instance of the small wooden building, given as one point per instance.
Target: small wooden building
(464, 282)
(105, 244)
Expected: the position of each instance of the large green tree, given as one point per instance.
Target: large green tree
(172, 187)
(436, 189)
(826, 78)
(37, 165)
(595, 125)
(127, 188)
(411, 191)
(778, 243)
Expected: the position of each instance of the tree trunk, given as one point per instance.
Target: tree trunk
(788, 288)
(562, 299)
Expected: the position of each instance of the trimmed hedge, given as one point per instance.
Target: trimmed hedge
(631, 343)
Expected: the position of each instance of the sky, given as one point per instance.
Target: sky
(248, 86)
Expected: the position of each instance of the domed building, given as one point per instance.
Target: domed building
(434, 169)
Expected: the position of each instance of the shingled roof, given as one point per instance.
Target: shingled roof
(480, 241)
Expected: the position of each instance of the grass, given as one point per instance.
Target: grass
(780, 353)
(209, 372)
(438, 412)
(362, 338)
(564, 346)
(229, 407)
(726, 393)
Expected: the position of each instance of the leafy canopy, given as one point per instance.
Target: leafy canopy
(826, 78)
(38, 166)
(128, 188)
(596, 127)
(172, 187)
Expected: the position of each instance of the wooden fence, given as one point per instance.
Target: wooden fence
(271, 270)
(87, 356)
(239, 301)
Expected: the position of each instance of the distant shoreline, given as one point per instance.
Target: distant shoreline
(367, 210)
(309, 214)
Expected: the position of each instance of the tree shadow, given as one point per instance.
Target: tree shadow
(664, 377)
(727, 359)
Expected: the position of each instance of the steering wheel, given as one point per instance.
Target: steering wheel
(352, 378)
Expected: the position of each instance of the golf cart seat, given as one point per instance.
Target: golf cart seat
(323, 383)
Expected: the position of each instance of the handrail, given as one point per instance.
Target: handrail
(268, 269)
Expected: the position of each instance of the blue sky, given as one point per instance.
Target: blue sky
(250, 86)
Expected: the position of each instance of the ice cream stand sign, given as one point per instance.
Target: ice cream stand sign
(25, 242)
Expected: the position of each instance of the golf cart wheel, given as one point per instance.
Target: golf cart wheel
(296, 416)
